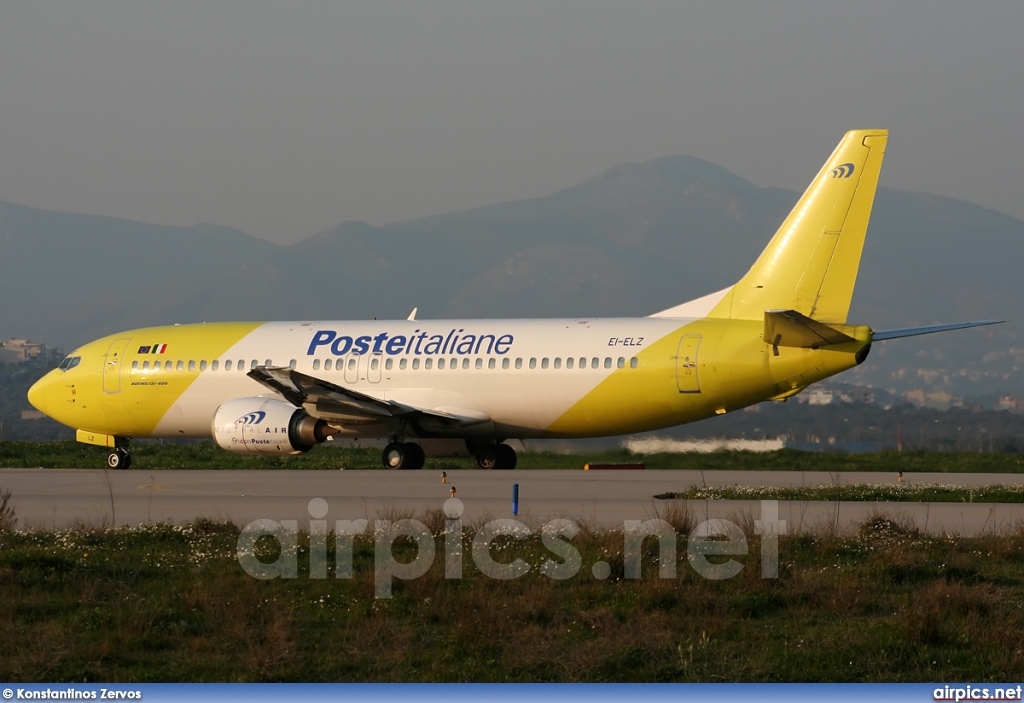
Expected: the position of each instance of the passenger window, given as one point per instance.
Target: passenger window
(215, 365)
(429, 363)
(504, 363)
(595, 362)
(491, 363)
(389, 364)
(227, 365)
(583, 362)
(253, 364)
(181, 366)
(145, 366)
(316, 364)
(415, 363)
(402, 363)
(544, 363)
(202, 365)
(479, 363)
(519, 363)
(374, 363)
(352, 363)
(558, 362)
(570, 362)
(135, 365)
(607, 362)
(328, 364)
(440, 363)
(533, 363)
(621, 363)
(292, 364)
(454, 364)
(269, 362)
(634, 362)
(192, 365)
(240, 365)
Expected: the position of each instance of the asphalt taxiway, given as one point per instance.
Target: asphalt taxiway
(58, 498)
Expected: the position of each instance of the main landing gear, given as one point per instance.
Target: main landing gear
(409, 456)
(495, 456)
(403, 455)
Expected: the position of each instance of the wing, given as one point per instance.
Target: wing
(347, 407)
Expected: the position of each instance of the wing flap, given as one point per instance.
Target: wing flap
(346, 406)
(300, 389)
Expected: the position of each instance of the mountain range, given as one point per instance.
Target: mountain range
(639, 238)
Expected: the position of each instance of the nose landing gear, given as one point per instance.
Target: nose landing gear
(119, 458)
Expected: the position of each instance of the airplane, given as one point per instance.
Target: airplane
(280, 388)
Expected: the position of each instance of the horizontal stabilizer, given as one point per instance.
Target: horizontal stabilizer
(914, 331)
(789, 328)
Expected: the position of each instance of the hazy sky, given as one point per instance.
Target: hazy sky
(286, 118)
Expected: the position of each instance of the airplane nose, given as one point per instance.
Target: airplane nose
(37, 395)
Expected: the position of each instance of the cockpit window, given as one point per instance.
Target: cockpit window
(70, 363)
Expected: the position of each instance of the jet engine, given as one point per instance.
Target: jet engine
(267, 426)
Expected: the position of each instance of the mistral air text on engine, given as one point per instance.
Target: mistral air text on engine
(266, 426)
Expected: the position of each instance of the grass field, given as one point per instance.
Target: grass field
(877, 492)
(204, 455)
(172, 603)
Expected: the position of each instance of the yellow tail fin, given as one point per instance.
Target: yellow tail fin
(811, 263)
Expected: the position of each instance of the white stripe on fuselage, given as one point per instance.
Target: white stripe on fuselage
(525, 397)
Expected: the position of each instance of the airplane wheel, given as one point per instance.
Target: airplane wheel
(119, 459)
(395, 456)
(403, 455)
(415, 458)
(487, 457)
(506, 457)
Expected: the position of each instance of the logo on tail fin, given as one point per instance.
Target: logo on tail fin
(843, 171)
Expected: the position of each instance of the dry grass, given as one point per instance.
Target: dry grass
(171, 603)
(8, 521)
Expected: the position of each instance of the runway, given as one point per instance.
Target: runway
(59, 498)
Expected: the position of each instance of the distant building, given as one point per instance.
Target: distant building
(819, 396)
(655, 445)
(1014, 405)
(845, 394)
(916, 397)
(23, 350)
(857, 394)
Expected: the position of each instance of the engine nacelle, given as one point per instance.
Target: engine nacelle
(266, 426)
